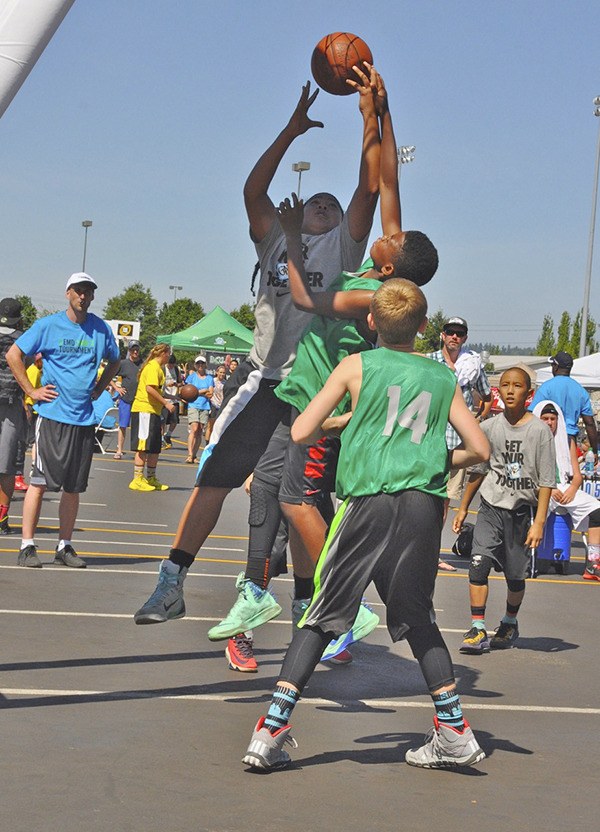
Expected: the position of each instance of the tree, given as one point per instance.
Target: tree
(28, 311)
(546, 344)
(430, 340)
(591, 343)
(245, 315)
(564, 333)
(182, 313)
(136, 303)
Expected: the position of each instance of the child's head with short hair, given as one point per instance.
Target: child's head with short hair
(407, 254)
(514, 387)
(398, 309)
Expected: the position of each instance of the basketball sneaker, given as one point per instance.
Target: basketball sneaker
(592, 571)
(475, 641)
(445, 747)
(4, 527)
(156, 485)
(254, 606)
(20, 484)
(266, 749)
(366, 621)
(67, 556)
(299, 607)
(505, 636)
(166, 601)
(240, 654)
(28, 557)
(141, 484)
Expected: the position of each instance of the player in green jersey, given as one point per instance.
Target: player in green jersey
(392, 473)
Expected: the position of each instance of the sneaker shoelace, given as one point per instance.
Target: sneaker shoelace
(243, 645)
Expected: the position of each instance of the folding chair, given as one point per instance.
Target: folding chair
(108, 424)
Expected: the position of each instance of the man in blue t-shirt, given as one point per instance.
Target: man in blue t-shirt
(73, 344)
(572, 398)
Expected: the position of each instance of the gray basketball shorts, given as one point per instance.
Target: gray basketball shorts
(390, 539)
(500, 535)
(63, 455)
(12, 417)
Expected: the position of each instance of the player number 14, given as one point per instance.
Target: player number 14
(412, 418)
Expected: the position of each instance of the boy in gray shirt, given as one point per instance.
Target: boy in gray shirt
(515, 492)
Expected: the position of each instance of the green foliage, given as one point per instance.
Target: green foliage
(564, 333)
(182, 313)
(591, 343)
(29, 312)
(430, 340)
(135, 303)
(545, 343)
(245, 315)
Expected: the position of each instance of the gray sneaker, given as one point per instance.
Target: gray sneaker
(266, 749)
(167, 599)
(28, 557)
(445, 747)
(67, 556)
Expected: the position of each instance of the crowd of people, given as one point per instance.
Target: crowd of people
(331, 399)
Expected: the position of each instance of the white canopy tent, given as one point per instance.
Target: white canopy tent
(585, 370)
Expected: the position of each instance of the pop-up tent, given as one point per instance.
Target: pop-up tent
(585, 370)
(215, 332)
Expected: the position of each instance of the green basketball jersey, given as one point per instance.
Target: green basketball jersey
(323, 345)
(396, 438)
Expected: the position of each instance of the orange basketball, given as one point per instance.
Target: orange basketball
(333, 59)
(189, 393)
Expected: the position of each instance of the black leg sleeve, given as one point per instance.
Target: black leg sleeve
(429, 649)
(303, 655)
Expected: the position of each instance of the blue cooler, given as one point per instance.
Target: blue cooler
(556, 543)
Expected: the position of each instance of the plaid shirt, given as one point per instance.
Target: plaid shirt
(482, 386)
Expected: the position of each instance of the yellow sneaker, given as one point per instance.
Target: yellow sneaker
(156, 485)
(141, 484)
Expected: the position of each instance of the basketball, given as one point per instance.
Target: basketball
(333, 59)
(188, 392)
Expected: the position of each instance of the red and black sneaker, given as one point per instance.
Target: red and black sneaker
(592, 571)
(240, 654)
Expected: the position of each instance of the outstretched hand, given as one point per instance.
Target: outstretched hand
(365, 87)
(291, 215)
(300, 122)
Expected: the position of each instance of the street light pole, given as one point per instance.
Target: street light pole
(406, 154)
(175, 288)
(86, 224)
(588, 272)
(298, 167)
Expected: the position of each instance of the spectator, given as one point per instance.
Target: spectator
(129, 370)
(199, 409)
(216, 400)
(11, 408)
(170, 419)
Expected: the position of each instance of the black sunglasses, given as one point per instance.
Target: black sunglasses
(460, 332)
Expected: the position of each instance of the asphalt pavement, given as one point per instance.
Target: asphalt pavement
(112, 726)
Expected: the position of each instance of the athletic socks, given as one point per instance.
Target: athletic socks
(3, 512)
(180, 558)
(138, 471)
(448, 709)
(509, 619)
(282, 704)
(303, 587)
(151, 472)
(594, 552)
(27, 542)
(478, 617)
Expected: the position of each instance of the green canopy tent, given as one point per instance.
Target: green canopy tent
(217, 332)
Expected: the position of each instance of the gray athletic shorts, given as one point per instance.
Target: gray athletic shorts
(390, 539)
(63, 455)
(12, 417)
(500, 535)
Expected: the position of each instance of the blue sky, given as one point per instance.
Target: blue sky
(146, 116)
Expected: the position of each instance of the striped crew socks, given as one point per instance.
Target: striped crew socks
(282, 704)
(478, 617)
(448, 709)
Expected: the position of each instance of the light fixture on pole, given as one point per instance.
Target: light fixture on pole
(175, 288)
(86, 224)
(588, 272)
(406, 154)
(298, 167)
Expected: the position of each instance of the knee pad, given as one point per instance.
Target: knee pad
(261, 499)
(515, 586)
(479, 570)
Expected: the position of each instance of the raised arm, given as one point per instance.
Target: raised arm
(389, 183)
(364, 200)
(260, 209)
(351, 304)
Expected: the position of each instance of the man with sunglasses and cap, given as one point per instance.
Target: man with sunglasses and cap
(470, 375)
(73, 344)
(11, 408)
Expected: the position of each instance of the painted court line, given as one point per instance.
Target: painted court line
(316, 702)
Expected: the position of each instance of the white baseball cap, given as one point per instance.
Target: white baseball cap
(200, 358)
(80, 277)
